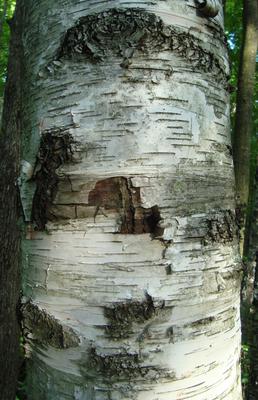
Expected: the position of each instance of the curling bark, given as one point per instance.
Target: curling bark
(131, 269)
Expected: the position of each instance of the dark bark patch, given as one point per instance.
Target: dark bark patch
(118, 365)
(202, 322)
(124, 366)
(121, 32)
(118, 193)
(45, 329)
(170, 334)
(168, 269)
(122, 316)
(221, 228)
(56, 149)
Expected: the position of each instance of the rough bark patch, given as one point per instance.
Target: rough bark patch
(123, 31)
(122, 316)
(126, 365)
(56, 149)
(221, 228)
(118, 193)
(45, 329)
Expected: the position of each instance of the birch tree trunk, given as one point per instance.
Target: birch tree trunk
(131, 267)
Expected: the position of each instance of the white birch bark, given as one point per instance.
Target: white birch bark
(131, 268)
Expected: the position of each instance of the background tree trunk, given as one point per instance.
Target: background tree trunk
(131, 269)
(244, 108)
(9, 215)
(250, 304)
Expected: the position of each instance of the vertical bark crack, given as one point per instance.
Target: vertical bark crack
(56, 149)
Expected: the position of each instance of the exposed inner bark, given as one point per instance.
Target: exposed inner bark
(46, 330)
(122, 316)
(56, 149)
(122, 31)
(118, 193)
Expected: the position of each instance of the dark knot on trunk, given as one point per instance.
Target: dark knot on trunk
(208, 8)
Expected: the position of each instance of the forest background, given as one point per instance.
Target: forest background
(237, 18)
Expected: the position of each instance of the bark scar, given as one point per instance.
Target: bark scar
(118, 193)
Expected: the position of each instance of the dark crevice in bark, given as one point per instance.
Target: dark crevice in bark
(202, 322)
(122, 316)
(118, 193)
(124, 31)
(56, 149)
(44, 329)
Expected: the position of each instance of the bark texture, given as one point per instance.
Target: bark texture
(9, 215)
(130, 258)
(250, 304)
(244, 109)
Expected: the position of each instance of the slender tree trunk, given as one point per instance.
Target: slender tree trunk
(241, 151)
(251, 300)
(243, 123)
(9, 229)
(131, 268)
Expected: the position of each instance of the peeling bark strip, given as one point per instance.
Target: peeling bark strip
(118, 193)
(122, 316)
(222, 228)
(124, 31)
(209, 8)
(56, 149)
(46, 329)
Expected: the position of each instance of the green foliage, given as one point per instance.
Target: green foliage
(234, 32)
(4, 39)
